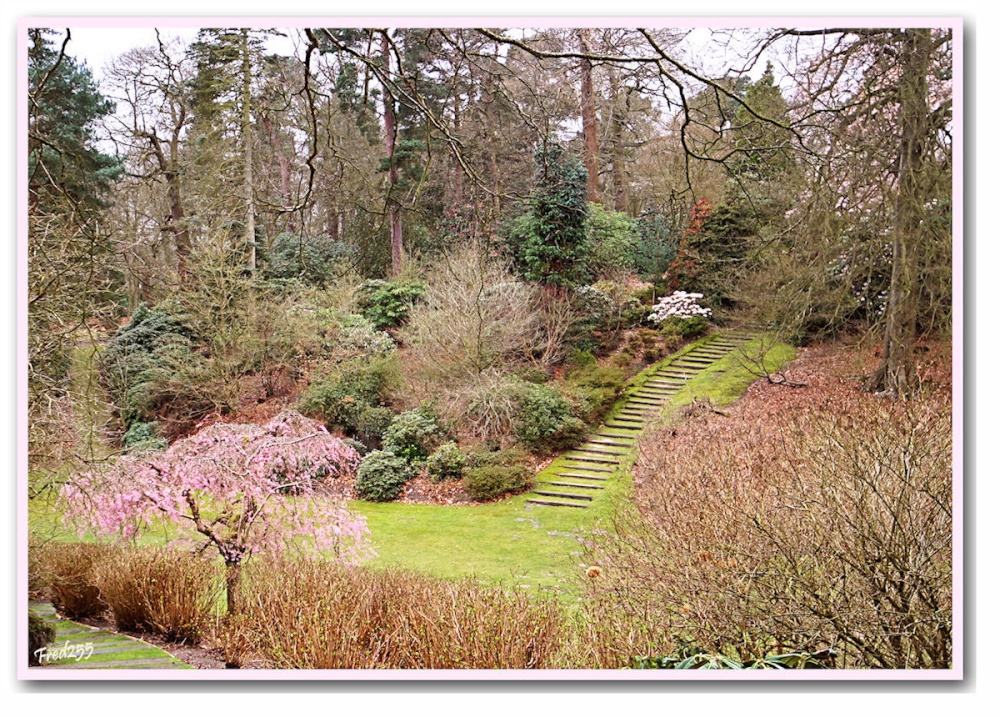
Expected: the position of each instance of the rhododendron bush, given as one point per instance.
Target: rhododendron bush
(680, 304)
(238, 489)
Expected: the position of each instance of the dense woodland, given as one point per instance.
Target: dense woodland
(448, 249)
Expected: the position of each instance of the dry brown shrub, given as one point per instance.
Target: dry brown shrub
(604, 634)
(476, 323)
(808, 519)
(69, 571)
(165, 591)
(315, 615)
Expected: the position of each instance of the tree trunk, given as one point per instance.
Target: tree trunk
(619, 108)
(896, 374)
(389, 120)
(284, 169)
(182, 237)
(246, 130)
(234, 572)
(590, 152)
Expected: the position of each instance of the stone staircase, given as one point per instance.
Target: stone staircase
(581, 473)
(80, 647)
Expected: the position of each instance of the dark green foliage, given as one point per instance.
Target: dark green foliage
(596, 388)
(577, 359)
(312, 259)
(359, 335)
(144, 437)
(63, 162)
(446, 463)
(340, 398)
(412, 435)
(382, 476)
(40, 634)
(373, 421)
(360, 447)
(545, 419)
(612, 240)
(764, 150)
(490, 475)
(388, 303)
(533, 375)
(659, 233)
(139, 365)
(606, 306)
(550, 243)
(74, 271)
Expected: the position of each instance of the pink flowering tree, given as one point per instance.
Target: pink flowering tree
(238, 489)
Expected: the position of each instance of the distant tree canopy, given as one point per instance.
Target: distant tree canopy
(829, 189)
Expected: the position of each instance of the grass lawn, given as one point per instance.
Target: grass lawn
(528, 546)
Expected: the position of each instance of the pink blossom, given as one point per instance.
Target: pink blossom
(242, 489)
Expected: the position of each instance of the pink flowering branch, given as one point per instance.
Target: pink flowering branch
(244, 489)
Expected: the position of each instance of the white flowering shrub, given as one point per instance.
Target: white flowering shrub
(358, 335)
(680, 305)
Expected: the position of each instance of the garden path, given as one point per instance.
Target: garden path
(92, 648)
(578, 476)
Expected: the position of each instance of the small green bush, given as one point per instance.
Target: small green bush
(312, 259)
(412, 435)
(446, 463)
(688, 327)
(613, 238)
(139, 365)
(577, 359)
(373, 421)
(360, 447)
(490, 475)
(596, 388)
(533, 375)
(340, 398)
(144, 436)
(545, 420)
(388, 303)
(358, 335)
(382, 476)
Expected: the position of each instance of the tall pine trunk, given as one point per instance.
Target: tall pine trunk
(389, 120)
(246, 131)
(590, 152)
(896, 374)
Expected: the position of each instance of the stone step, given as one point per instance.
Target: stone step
(623, 426)
(589, 459)
(630, 437)
(556, 503)
(653, 395)
(555, 494)
(584, 448)
(589, 468)
(581, 475)
(625, 443)
(582, 486)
